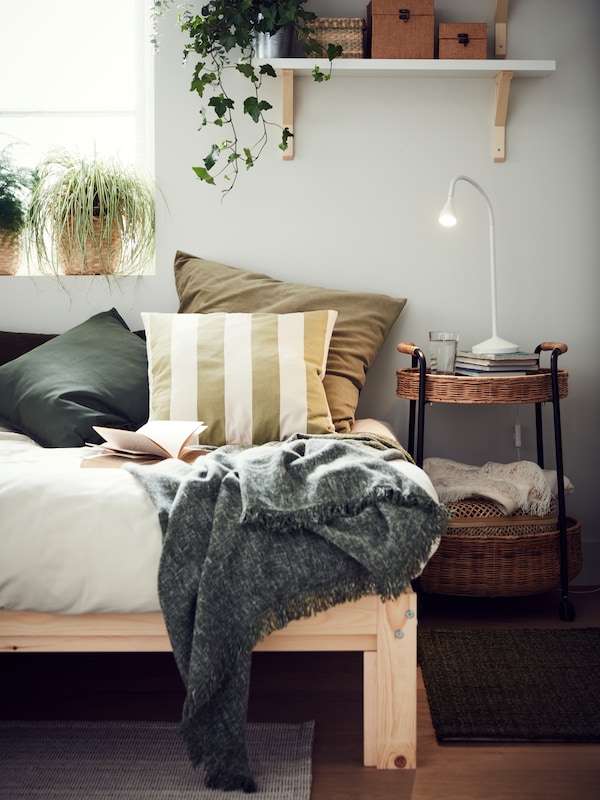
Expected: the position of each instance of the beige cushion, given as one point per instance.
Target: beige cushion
(364, 319)
(252, 378)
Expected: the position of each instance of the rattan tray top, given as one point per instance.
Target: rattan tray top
(535, 388)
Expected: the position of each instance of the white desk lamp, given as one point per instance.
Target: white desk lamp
(448, 218)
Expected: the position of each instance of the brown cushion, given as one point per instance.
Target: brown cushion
(363, 322)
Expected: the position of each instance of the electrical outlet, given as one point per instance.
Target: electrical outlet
(517, 435)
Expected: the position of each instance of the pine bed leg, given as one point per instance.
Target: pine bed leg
(390, 719)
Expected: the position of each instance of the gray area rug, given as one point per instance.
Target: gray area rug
(141, 760)
(488, 685)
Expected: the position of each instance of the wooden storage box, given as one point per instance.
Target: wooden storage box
(349, 32)
(400, 28)
(462, 40)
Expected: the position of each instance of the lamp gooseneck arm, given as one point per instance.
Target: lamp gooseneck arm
(492, 221)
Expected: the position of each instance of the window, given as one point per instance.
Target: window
(76, 74)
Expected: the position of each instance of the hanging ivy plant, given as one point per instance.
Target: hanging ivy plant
(223, 37)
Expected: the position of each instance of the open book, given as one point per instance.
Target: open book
(154, 441)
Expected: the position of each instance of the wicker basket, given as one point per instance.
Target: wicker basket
(10, 254)
(349, 32)
(536, 388)
(485, 553)
(480, 517)
(102, 253)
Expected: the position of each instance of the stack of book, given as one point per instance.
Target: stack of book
(488, 364)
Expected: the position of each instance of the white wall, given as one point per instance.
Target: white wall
(357, 208)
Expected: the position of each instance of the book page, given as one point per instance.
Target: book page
(162, 438)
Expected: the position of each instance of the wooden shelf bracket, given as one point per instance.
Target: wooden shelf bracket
(287, 76)
(501, 94)
(501, 20)
(502, 72)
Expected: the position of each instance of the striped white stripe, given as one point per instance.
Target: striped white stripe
(292, 374)
(184, 377)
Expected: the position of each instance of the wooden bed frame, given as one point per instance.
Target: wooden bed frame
(386, 633)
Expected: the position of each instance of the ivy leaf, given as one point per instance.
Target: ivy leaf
(221, 104)
(228, 40)
(267, 69)
(248, 158)
(285, 135)
(334, 51)
(318, 75)
(211, 159)
(248, 71)
(203, 175)
(255, 107)
(269, 15)
(201, 80)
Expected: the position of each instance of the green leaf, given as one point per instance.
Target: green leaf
(255, 107)
(248, 158)
(318, 75)
(285, 135)
(211, 159)
(267, 69)
(248, 71)
(203, 175)
(221, 104)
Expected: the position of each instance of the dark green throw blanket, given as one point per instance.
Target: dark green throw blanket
(256, 537)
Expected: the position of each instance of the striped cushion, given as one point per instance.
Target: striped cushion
(252, 378)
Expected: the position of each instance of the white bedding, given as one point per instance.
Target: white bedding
(77, 541)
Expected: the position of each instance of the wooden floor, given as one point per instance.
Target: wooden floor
(327, 688)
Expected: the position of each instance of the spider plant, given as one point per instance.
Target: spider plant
(90, 215)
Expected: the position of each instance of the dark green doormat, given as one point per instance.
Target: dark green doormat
(512, 685)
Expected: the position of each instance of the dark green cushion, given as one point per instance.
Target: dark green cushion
(94, 374)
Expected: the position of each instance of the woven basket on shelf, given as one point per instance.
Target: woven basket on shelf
(485, 553)
(535, 388)
(349, 32)
(10, 254)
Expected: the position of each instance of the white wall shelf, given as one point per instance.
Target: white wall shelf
(501, 71)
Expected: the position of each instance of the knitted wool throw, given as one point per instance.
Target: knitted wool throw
(256, 537)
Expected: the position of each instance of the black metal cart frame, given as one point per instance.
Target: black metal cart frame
(416, 437)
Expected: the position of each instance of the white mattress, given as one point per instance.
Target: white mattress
(77, 541)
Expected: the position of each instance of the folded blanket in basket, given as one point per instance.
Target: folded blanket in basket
(255, 537)
(518, 486)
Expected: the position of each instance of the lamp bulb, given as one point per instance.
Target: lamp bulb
(448, 214)
(447, 220)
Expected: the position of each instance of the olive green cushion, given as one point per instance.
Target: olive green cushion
(364, 319)
(94, 374)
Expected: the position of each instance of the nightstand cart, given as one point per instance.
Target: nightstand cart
(421, 387)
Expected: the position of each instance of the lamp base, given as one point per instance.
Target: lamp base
(495, 346)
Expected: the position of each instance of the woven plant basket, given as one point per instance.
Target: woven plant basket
(10, 254)
(101, 257)
(535, 388)
(349, 32)
(485, 553)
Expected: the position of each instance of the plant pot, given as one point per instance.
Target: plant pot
(10, 254)
(276, 45)
(100, 256)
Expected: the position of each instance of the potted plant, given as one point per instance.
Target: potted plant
(223, 36)
(90, 216)
(15, 187)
